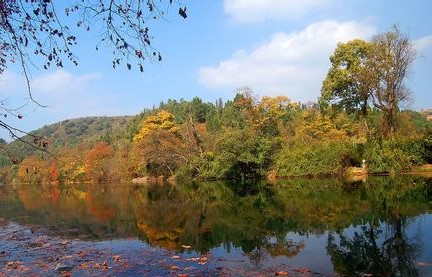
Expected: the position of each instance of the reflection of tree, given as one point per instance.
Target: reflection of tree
(401, 251)
(97, 206)
(284, 247)
(207, 215)
(372, 250)
(273, 247)
(254, 217)
(382, 249)
(359, 254)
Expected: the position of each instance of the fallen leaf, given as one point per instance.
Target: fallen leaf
(84, 265)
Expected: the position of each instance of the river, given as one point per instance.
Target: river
(297, 227)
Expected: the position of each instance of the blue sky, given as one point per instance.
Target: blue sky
(275, 47)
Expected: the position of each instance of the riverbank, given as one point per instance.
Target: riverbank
(423, 170)
(34, 251)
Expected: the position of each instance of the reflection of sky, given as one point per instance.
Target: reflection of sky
(422, 225)
(314, 255)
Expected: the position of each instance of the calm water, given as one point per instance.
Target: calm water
(380, 226)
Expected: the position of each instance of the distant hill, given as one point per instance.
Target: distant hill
(71, 132)
(86, 129)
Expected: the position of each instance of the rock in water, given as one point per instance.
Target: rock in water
(63, 267)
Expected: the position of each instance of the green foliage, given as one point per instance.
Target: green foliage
(238, 154)
(348, 82)
(370, 72)
(314, 160)
(182, 110)
(242, 138)
(394, 156)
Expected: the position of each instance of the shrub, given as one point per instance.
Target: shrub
(394, 156)
(314, 160)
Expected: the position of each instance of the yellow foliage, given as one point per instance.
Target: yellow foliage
(168, 239)
(275, 106)
(317, 127)
(79, 171)
(161, 121)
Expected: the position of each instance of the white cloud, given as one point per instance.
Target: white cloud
(9, 81)
(71, 95)
(293, 64)
(423, 43)
(61, 82)
(65, 94)
(250, 11)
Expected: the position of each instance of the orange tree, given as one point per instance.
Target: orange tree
(96, 162)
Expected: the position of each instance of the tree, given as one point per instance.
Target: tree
(96, 161)
(159, 145)
(35, 32)
(163, 120)
(160, 152)
(392, 56)
(370, 71)
(349, 82)
(239, 153)
(273, 110)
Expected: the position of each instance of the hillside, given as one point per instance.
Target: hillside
(71, 132)
(86, 129)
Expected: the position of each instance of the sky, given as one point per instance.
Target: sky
(274, 47)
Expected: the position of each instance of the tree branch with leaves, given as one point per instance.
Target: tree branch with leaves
(40, 33)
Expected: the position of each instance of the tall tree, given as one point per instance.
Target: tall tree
(392, 57)
(375, 71)
(349, 82)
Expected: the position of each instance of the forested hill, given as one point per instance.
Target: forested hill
(86, 129)
(71, 132)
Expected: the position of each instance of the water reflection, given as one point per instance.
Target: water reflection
(381, 246)
(364, 223)
(375, 250)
